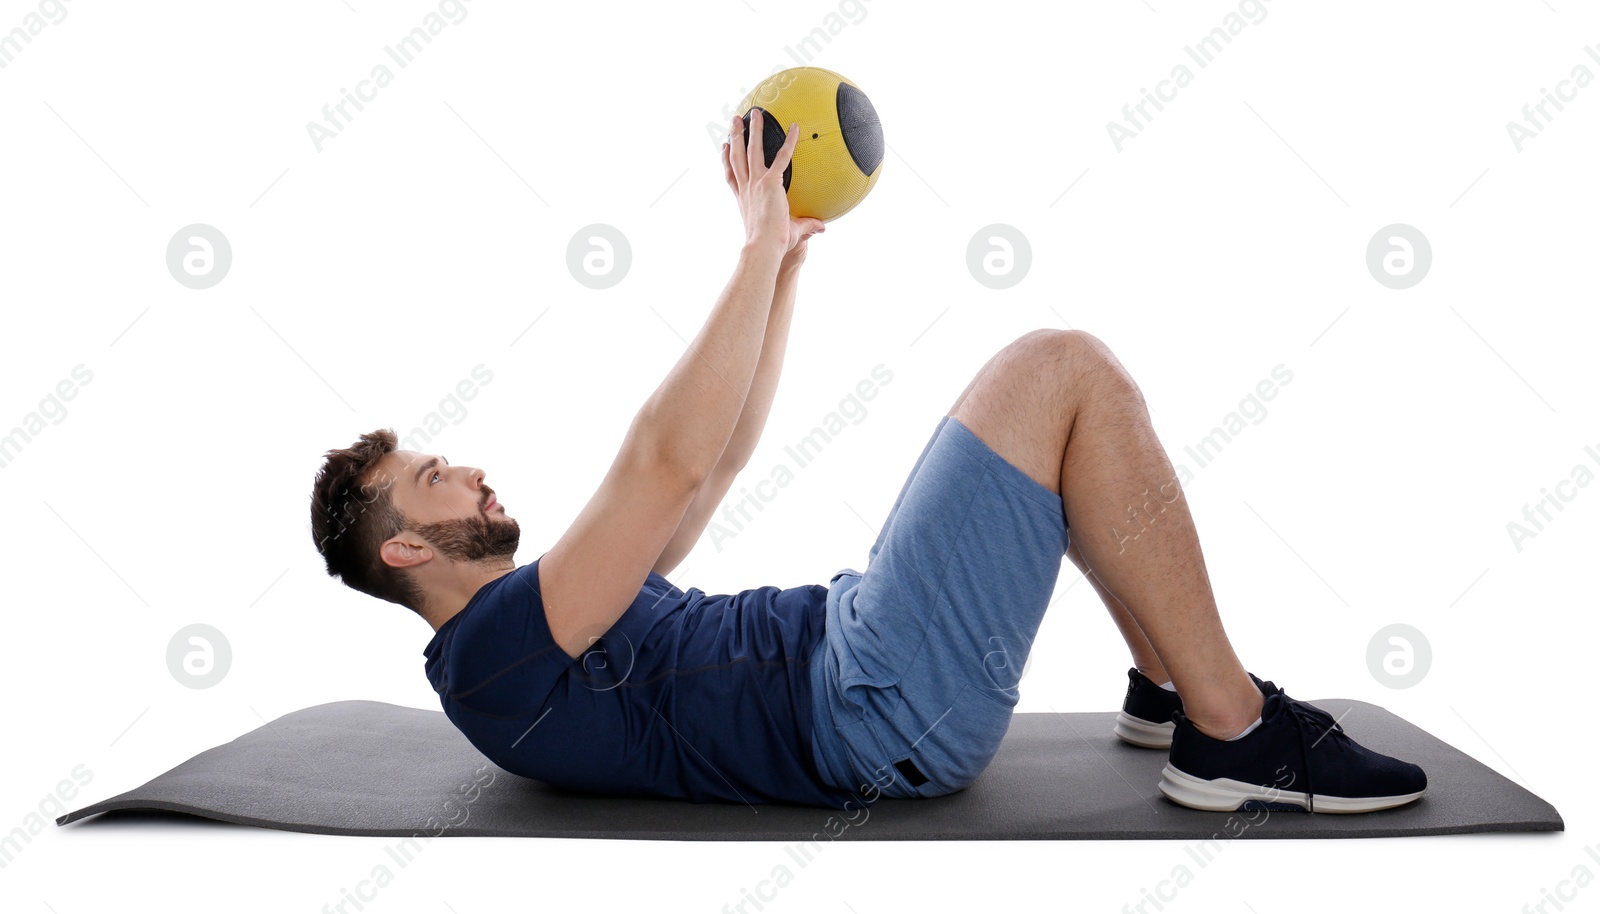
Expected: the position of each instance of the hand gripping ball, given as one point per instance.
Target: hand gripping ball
(840, 147)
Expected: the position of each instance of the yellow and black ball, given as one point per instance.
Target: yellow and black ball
(839, 152)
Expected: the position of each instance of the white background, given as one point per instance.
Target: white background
(370, 277)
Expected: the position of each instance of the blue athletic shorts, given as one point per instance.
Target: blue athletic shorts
(915, 678)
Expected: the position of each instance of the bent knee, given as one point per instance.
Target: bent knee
(1078, 352)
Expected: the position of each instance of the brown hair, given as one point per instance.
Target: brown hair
(348, 527)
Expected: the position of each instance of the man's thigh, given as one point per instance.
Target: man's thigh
(930, 641)
(1019, 401)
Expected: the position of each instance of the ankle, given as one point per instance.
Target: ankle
(1155, 673)
(1223, 731)
(1231, 720)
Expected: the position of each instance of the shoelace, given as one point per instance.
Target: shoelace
(1315, 725)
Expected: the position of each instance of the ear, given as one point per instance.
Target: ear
(404, 552)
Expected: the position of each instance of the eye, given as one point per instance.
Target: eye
(433, 477)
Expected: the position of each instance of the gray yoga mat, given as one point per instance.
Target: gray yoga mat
(371, 768)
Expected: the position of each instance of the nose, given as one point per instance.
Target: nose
(478, 476)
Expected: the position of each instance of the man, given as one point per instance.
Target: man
(587, 669)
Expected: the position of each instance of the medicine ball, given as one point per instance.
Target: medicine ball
(840, 147)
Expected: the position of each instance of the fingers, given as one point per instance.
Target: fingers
(786, 151)
(753, 163)
(809, 226)
(755, 149)
(727, 167)
(741, 161)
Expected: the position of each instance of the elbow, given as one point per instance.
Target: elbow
(665, 455)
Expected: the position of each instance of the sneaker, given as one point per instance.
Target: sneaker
(1146, 716)
(1298, 758)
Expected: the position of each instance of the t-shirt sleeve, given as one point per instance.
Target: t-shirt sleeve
(505, 661)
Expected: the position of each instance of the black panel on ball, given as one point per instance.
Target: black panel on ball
(858, 121)
(772, 137)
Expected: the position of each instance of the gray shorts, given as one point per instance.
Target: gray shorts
(915, 678)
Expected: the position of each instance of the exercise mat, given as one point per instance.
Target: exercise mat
(372, 768)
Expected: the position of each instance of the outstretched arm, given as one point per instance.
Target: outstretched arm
(691, 416)
(758, 403)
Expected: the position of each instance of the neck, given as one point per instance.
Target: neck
(449, 598)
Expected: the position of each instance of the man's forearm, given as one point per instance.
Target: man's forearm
(692, 415)
(758, 403)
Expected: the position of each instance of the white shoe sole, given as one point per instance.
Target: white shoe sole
(1227, 795)
(1143, 733)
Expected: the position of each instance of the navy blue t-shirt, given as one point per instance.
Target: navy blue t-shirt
(696, 696)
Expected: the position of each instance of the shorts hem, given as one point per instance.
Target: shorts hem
(1006, 471)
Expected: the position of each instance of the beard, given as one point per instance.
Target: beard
(476, 539)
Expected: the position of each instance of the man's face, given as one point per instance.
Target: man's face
(448, 506)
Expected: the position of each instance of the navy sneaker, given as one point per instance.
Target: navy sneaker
(1298, 758)
(1146, 716)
